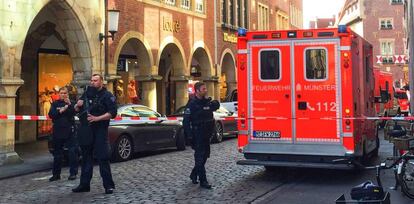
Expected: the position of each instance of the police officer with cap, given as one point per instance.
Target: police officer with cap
(199, 125)
(96, 107)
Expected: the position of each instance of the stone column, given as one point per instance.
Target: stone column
(8, 88)
(212, 84)
(181, 90)
(231, 85)
(217, 91)
(149, 90)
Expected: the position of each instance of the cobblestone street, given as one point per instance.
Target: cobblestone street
(154, 178)
(162, 177)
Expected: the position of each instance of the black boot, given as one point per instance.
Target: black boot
(193, 178)
(205, 184)
(54, 178)
(81, 188)
(72, 177)
(109, 190)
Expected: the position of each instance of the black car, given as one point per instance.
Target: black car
(223, 128)
(130, 136)
(127, 137)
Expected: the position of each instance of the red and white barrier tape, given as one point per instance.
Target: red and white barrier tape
(35, 117)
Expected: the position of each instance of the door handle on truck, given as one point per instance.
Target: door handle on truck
(299, 96)
(286, 95)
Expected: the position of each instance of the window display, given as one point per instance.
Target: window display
(55, 71)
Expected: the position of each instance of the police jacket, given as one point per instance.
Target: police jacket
(97, 103)
(65, 119)
(198, 113)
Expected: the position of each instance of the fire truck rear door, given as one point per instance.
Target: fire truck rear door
(269, 101)
(317, 85)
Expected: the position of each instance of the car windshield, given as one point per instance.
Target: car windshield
(128, 112)
(145, 112)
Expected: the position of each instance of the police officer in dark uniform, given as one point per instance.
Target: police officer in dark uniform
(96, 107)
(62, 114)
(199, 125)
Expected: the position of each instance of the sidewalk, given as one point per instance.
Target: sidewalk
(36, 157)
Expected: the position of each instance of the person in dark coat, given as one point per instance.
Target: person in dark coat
(96, 107)
(62, 114)
(199, 125)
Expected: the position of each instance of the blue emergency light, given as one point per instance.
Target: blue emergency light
(342, 29)
(242, 32)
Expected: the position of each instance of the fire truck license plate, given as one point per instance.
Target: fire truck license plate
(266, 134)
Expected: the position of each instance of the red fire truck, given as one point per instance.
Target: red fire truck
(384, 88)
(302, 97)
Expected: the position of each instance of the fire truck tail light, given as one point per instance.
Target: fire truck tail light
(347, 111)
(347, 122)
(308, 34)
(243, 123)
(346, 55)
(276, 35)
(346, 64)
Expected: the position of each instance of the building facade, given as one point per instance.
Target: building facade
(252, 15)
(380, 22)
(165, 46)
(322, 22)
(409, 30)
(44, 44)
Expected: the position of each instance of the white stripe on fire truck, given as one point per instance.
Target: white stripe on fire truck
(345, 48)
(347, 134)
(242, 51)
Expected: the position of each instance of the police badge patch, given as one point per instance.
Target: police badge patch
(187, 111)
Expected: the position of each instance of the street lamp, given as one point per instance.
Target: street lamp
(113, 18)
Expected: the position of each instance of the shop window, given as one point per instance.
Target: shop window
(55, 71)
(315, 62)
(270, 65)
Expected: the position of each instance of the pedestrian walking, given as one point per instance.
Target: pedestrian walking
(199, 125)
(96, 107)
(62, 114)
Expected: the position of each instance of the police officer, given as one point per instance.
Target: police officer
(62, 115)
(199, 125)
(96, 107)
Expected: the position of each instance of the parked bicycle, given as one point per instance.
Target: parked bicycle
(402, 163)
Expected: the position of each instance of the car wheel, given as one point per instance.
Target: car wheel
(123, 148)
(181, 140)
(218, 133)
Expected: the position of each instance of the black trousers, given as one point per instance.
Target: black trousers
(99, 149)
(200, 158)
(201, 146)
(58, 155)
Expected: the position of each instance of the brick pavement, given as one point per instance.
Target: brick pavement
(159, 178)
